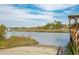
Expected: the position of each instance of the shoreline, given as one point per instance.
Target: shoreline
(30, 50)
(50, 46)
(45, 31)
(61, 30)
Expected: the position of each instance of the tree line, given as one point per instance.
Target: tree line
(54, 25)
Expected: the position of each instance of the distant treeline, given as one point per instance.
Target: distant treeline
(56, 26)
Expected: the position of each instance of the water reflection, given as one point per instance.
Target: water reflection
(56, 39)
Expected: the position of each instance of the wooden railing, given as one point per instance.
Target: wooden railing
(60, 51)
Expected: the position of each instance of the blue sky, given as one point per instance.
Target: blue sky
(29, 15)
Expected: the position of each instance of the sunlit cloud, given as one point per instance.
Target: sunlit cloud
(49, 7)
(34, 15)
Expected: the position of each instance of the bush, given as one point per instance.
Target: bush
(2, 32)
(72, 49)
(17, 41)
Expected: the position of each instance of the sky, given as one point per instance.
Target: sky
(30, 15)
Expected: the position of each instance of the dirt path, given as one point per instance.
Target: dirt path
(29, 50)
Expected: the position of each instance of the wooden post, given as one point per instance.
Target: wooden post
(74, 28)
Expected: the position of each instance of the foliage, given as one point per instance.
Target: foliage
(57, 24)
(2, 31)
(17, 41)
(54, 25)
(72, 49)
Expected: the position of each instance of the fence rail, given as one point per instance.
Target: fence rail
(61, 51)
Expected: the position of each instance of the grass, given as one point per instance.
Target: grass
(15, 41)
(43, 30)
(72, 49)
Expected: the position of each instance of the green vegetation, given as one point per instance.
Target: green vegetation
(2, 32)
(56, 26)
(14, 40)
(17, 41)
(72, 49)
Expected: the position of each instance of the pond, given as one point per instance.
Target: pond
(44, 38)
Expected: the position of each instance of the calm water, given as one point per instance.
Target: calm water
(56, 39)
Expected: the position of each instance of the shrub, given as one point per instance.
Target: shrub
(72, 49)
(17, 41)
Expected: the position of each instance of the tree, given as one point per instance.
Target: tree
(2, 31)
(57, 24)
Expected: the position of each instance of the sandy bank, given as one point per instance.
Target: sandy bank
(29, 50)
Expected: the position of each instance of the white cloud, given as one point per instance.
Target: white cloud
(10, 12)
(54, 7)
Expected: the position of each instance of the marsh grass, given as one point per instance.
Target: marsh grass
(72, 49)
(43, 30)
(15, 41)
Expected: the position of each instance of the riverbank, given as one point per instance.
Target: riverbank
(15, 41)
(30, 50)
(42, 30)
